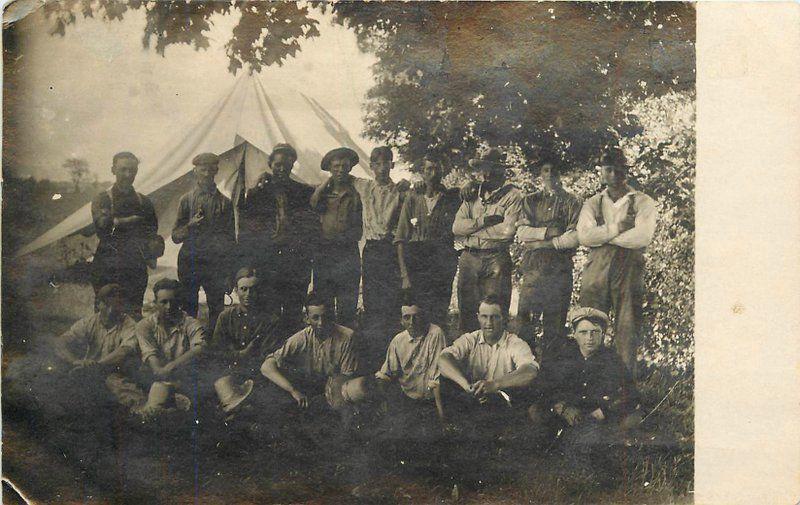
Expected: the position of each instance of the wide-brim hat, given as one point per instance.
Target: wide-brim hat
(230, 394)
(163, 398)
(341, 389)
(489, 159)
(346, 152)
(578, 314)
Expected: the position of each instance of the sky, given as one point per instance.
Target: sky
(96, 91)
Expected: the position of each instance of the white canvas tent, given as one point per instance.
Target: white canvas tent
(242, 126)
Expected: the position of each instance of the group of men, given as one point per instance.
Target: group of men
(288, 350)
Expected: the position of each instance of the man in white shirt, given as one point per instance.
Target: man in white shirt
(617, 224)
(487, 371)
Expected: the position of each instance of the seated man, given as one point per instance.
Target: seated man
(412, 361)
(170, 340)
(488, 371)
(311, 358)
(96, 348)
(586, 389)
(244, 335)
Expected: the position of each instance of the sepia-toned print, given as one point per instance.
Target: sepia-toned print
(381, 252)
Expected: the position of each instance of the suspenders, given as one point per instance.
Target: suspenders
(602, 220)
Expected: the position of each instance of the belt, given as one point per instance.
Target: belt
(485, 251)
(386, 240)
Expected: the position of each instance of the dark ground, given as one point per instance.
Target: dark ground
(114, 460)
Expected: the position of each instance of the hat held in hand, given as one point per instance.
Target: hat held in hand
(230, 394)
(341, 389)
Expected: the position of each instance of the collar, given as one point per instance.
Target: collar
(113, 327)
(420, 337)
(501, 342)
(123, 192)
(497, 194)
(208, 191)
(176, 327)
(619, 203)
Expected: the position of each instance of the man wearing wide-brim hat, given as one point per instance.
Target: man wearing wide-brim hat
(586, 389)
(337, 264)
(205, 229)
(617, 225)
(486, 224)
(277, 236)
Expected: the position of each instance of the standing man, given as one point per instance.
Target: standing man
(205, 227)
(381, 200)
(617, 224)
(123, 220)
(337, 264)
(424, 241)
(277, 235)
(547, 232)
(488, 223)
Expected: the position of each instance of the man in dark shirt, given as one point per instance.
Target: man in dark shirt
(205, 227)
(586, 389)
(547, 232)
(245, 334)
(123, 220)
(424, 239)
(276, 236)
(337, 264)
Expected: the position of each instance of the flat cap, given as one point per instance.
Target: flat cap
(492, 158)
(205, 159)
(284, 148)
(578, 314)
(339, 152)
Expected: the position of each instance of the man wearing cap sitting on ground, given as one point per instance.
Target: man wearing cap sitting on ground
(487, 371)
(488, 223)
(170, 340)
(412, 360)
(205, 228)
(337, 264)
(616, 225)
(124, 221)
(309, 360)
(277, 235)
(381, 200)
(244, 335)
(547, 231)
(586, 388)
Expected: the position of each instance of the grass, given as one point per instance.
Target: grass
(202, 463)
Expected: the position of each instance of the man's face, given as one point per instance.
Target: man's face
(549, 177)
(167, 303)
(110, 309)
(431, 173)
(125, 170)
(412, 319)
(247, 291)
(281, 165)
(317, 317)
(611, 176)
(492, 321)
(340, 169)
(205, 173)
(381, 168)
(493, 176)
(589, 337)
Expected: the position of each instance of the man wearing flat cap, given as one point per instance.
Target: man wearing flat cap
(277, 236)
(205, 228)
(587, 390)
(616, 225)
(123, 220)
(487, 224)
(337, 264)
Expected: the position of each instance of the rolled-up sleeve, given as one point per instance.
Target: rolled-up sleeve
(569, 239)
(512, 210)
(404, 226)
(589, 233)
(521, 354)
(291, 348)
(196, 334)
(464, 224)
(391, 365)
(461, 348)
(644, 226)
(145, 336)
(348, 363)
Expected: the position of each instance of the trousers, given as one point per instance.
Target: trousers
(288, 273)
(545, 293)
(613, 278)
(431, 268)
(481, 273)
(130, 275)
(199, 270)
(381, 281)
(337, 275)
